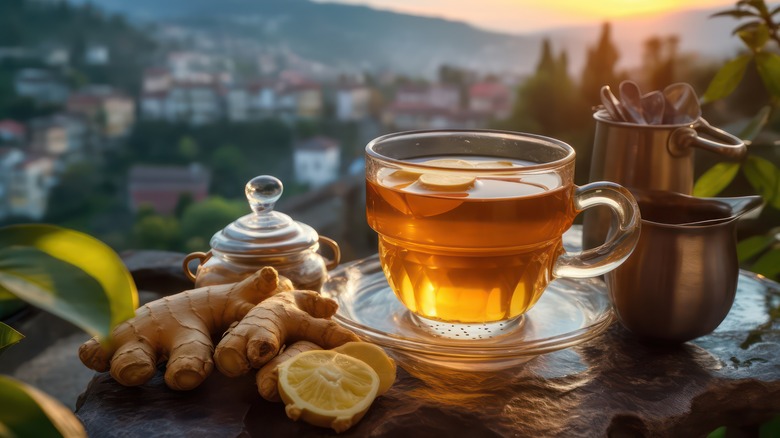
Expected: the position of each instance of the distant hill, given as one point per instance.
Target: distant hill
(362, 37)
(343, 35)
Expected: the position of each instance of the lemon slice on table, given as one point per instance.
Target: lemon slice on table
(376, 358)
(327, 389)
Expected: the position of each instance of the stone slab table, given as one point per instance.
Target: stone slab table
(613, 385)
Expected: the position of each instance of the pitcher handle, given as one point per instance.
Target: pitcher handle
(620, 241)
(203, 257)
(683, 139)
(334, 247)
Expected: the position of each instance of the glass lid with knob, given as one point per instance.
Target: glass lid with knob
(264, 231)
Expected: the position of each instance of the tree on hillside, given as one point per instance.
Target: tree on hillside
(661, 55)
(547, 103)
(600, 67)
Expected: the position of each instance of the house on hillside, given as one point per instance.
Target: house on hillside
(156, 80)
(48, 136)
(353, 103)
(41, 85)
(300, 101)
(107, 108)
(29, 181)
(9, 159)
(493, 99)
(195, 103)
(431, 96)
(97, 55)
(12, 131)
(316, 161)
(161, 187)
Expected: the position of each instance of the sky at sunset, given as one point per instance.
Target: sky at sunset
(520, 16)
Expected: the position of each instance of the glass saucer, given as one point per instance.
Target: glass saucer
(568, 313)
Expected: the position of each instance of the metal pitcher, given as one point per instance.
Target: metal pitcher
(649, 157)
(680, 281)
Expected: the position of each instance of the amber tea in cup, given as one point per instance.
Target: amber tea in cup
(470, 223)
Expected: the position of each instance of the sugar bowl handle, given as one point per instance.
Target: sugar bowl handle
(202, 256)
(334, 248)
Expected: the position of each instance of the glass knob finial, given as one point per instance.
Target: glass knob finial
(262, 192)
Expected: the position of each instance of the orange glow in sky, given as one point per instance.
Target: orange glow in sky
(601, 9)
(520, 16)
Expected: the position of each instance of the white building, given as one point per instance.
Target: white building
(353, 103)
(97, 54)
(41, 85)
(25, 185)
(193, 103)
(316, 161)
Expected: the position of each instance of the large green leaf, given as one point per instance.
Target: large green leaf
(753, 246)
(8, 336)
(764, 177)
(727, 79)
(768, 264)
(27, 412)
(755, 37)
(69, 274)
(768, 65)
(714, 180)
(757, 123)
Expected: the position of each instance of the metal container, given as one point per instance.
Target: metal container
(649, 157)
(264, 238)
(680, 281)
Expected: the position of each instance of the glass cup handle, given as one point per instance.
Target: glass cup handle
(620, 241)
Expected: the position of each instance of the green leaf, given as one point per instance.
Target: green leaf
(8, 336)
(770, 429)
(746, 27)
(756, 124)
(736, 13)
(717, 433)
(717, 178)
(768, 65)
(69, 274)
(755, 37)
(768, 264)
(727, 79)
(764, 177)
(28, 412)
(753, 246)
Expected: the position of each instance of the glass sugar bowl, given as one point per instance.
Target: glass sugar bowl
(264, 238)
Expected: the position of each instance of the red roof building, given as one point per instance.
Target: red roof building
(161, 187)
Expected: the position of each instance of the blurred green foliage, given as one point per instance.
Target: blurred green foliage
(759, 31)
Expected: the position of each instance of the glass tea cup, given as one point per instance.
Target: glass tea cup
(470, 223)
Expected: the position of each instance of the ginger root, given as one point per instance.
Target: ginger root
(285, 318)
(268, 376)
(179, 328)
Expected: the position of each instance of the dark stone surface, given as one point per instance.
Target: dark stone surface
(614, 385)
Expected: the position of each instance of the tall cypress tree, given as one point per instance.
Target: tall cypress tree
(600, 66)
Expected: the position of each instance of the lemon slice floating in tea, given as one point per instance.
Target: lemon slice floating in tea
(327, 389)
(494, 164)
(447, 182)
(454, 163)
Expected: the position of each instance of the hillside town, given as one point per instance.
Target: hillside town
(198, 88)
